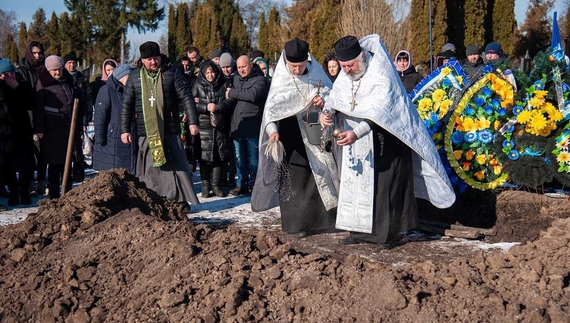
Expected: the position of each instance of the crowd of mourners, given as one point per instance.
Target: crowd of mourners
(164, 120)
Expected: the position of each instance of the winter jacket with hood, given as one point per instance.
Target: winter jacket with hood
(409, 77)
(212, 92)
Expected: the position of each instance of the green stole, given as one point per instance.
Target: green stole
(153, 114)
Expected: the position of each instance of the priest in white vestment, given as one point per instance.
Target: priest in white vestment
(388, 158)
(304, 183)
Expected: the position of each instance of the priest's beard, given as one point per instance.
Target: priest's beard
(362, 65)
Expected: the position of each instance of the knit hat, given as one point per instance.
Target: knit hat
(347, 48)
(448, 47)
(6, 66)
(215, 53)
(226, 60)
(472, 50)
(122, 70)
(256, 53)
(69, 57)
(149, 49)
(53, 62)
(493, 48)
(296, 50)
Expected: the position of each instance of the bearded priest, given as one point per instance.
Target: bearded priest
(294, 173)
(388, 157)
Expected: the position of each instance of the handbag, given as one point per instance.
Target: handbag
(87, 145)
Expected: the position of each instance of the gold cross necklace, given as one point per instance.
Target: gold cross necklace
(353, 92)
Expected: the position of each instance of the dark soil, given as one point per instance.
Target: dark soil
(113, 251)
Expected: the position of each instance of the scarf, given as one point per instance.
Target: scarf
(153, 113)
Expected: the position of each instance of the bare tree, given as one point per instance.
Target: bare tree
(7, 26)
(388, 18)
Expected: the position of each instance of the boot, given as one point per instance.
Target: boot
(216, 177)
(14, 198)
(25, 198)
(206, 189)
(41, 188)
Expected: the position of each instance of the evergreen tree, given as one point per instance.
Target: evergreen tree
(22, 39)
(457, 24)
(65, 30)
(262, 35)
(239, 42)
(183, 31)
(171, 32)
(419, 38)
(323, 29)
(566, 22)
(11, 49)
(535, 32)
(206, 35)
(275, 41)
(504, 24)
(296, 18)
(224, 10)
(475, 11)
(7, 27)
(53, 40)
(38, 27)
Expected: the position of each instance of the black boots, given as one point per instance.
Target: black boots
(206, 189)
(216, 177)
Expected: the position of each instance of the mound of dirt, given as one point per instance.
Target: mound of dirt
(138, 261)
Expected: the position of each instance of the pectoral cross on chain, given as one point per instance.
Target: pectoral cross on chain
(152, 99)
(319, 86)
(352, 104)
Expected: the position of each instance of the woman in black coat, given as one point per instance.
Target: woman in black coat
(55, 94)
(109, 151)
(209, 91)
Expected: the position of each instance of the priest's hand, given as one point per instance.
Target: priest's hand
(194, 130)
(326, 120)
(274, 136)
(126, 138)
(318, 101)
(346, 138)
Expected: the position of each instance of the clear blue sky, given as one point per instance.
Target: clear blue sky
(24, 10)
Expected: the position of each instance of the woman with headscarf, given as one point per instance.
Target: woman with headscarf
(55, 95)
(109, 151)
(209, 94)
(331, 66)
(406, 70)
(263, 66)
(106, 70)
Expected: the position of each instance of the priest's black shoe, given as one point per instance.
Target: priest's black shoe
(349, 240)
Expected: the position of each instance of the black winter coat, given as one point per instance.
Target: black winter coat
(410, 78)
(249, 95)
(213, 140)
(55, 94)
(471, 69)
(177, 95)
(109, 151)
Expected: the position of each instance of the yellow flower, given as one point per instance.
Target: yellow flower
(438, 95)
(481, 159)
(551, 125)
(482, 123)
(538, 121)
(469, 154)
(457, 154)
(459, 123)
(497, 169)
(564, 157)
(493, 161)
(496, 125)
(507, 96)
(424, 104)
(536, 102)
(445, 71)
(545, 132)
(540, 94)
(480, 175)
(556, 115)
(459, 79)
(468, 125)
(524, 116)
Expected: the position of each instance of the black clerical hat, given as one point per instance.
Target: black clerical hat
(149, 49)
(296, 50)
(347, 48)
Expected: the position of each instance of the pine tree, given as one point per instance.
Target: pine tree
(171, 32)
(419, 38)
(206, 35)
(66, 42)
(535, 32)
(22, 39)
(475, 11)
(183, 31)
(53, 40)
(11, 48)
(323, 29)
(262, 35)
(239, 42)
(504, 24)
(38, 26)
(275, 34)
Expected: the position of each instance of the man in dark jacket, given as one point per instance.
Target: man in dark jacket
(249, 92)
(474, 62)
(153, 95)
